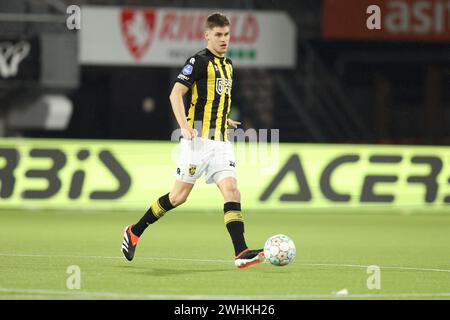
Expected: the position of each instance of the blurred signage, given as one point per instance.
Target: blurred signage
(19, 59)
(126, 175)
(167, 37)
(409, 20)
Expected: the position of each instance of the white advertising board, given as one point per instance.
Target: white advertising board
(167, 36)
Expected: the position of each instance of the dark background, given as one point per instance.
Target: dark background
(340, 92)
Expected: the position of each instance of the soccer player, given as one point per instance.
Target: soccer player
(204, 147)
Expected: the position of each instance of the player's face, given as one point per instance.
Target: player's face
(218, 39)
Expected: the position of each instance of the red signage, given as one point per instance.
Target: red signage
(179, 25)
(410, 20)
(138, 28)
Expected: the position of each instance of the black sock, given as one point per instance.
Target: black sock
(235, 225)
(156, 211)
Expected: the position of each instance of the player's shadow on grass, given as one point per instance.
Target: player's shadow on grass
(172, 272)
(163, 272)
(277, 271)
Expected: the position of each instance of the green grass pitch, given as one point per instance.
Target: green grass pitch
(188, 255)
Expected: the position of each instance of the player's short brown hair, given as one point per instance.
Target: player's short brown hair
(217, 20)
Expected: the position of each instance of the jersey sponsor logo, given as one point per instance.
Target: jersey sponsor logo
(138, 28)
(187, 69)
(223, 85)
(219, 85)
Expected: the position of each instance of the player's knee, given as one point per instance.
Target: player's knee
(237, 194)
(178, 199)
(234, 194)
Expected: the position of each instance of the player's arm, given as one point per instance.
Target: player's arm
(194, 69)
(176, 100)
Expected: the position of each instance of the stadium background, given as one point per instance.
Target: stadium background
(363, 118)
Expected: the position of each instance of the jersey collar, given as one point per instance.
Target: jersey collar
(221, 58)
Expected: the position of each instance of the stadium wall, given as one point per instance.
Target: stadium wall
(128, 175)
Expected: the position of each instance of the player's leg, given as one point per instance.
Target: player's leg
(232, 212)
(157, 210)
(244, 257)
(160, 207)
(189, 167)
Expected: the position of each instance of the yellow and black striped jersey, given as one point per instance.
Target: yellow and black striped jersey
(210, 79)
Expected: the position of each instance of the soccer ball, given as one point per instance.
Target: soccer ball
(279, 250)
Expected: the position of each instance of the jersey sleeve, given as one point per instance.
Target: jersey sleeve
(193, 70)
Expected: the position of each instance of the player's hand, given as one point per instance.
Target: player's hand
(233, 124)
(189, 133)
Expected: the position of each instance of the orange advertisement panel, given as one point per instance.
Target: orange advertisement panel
(399, 20)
